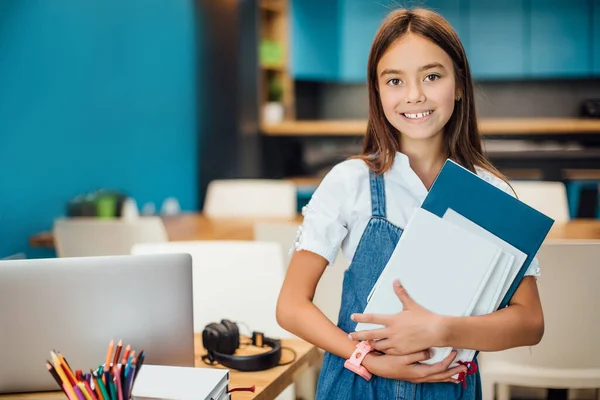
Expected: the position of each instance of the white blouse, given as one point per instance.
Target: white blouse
(340, 209)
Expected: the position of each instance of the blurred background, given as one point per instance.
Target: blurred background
(154, 99)
(124, 122)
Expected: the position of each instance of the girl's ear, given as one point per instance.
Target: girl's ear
(458, 94)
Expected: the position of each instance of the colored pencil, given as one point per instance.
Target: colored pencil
(79, 393)
(118, 384)
(139, 363)
(117, 353)
(87, 386)
(94, 380)
(126, 354)
(111, 385)
(53, 373)
(83, 390)
(103, 388)
(66, 387)
(57, 360)
(109, 353)
(129, 382)
(64, 379)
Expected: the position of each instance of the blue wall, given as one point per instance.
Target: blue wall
(93, 94)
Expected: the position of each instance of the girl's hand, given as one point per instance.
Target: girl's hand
(407, 368)
(410, 331)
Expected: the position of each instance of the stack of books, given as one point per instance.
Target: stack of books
(157, 382)
(463, 252)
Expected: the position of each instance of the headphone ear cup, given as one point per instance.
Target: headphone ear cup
(234, 332)
(211, 337)
(225, 345)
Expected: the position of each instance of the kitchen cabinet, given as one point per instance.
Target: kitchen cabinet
(561, 38)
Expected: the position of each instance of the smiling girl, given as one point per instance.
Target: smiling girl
(421, 113)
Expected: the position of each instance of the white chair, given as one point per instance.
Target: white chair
(328, 295)
(569, 354)
(235, 280)
(251, 198)
(85, 237)
(549, 198)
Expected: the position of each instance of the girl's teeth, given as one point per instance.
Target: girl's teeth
(418, 115)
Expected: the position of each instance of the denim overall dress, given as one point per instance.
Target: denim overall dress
(372, 254)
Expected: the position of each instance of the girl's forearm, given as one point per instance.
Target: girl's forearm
(305, 320)
(510, 327)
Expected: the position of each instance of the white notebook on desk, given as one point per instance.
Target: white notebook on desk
(443, 267)
(158, 382)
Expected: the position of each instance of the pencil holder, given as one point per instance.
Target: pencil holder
(112, 380)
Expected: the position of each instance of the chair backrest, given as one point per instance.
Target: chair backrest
(251, 198)
(549, 198)
(235, 280)
(16, 256)
(85, 237)
(328, 295)
(568, 288)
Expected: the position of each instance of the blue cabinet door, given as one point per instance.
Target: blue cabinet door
(360, 20)
(497, 35)
(596, 38)
(561, 42)
(314, 40)
(452, 12)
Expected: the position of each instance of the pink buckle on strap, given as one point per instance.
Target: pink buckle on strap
(471, 370)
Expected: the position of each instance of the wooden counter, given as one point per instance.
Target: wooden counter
(199, 227)
(487, 126)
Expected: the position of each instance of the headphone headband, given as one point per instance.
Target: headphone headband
(256, 362)
(222, 340)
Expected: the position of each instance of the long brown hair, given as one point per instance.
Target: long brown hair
(461, 139)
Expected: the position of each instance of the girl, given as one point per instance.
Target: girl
(421, 112)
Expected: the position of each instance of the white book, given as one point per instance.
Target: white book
(518, 256)
(156, 382)
(501, 278)
(442, 266)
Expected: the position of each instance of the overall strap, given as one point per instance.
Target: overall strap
(377, 195)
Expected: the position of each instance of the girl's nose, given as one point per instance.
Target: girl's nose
(414, 94)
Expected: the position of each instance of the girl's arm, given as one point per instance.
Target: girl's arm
(416, 328)
(297, 314)
(519, 324)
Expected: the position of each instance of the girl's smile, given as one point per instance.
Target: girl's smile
(417, 116)
(417, 87)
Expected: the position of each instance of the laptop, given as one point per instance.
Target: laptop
(77, 305)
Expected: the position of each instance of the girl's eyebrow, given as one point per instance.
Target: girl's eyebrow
(423, 68)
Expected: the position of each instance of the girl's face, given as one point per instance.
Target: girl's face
(416, 87)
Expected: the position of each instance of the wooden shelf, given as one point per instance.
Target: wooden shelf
(496, 126)
(272, 6)
(274, 67)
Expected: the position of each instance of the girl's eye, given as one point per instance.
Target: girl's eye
(393, 82)
(432, 77)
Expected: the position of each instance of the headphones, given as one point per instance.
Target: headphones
(221, 340)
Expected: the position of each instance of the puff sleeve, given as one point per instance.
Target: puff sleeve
(325, 217)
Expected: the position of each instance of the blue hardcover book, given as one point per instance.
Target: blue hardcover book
(491, 208)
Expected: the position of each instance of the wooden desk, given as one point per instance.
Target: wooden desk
(268, 383)
(579, 229)
(192, 227)
(198, 227)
